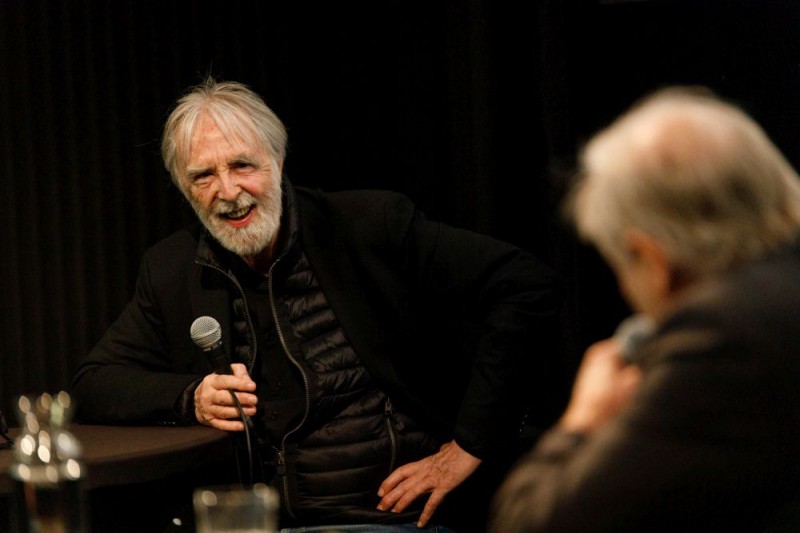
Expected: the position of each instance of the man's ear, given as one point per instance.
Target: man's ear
(649, 256)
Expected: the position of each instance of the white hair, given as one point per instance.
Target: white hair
(237, 111)
(694, 172)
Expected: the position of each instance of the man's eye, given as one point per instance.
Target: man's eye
(199, 177)
(240, 165)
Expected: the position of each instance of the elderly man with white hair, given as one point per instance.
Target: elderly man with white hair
(696, 426)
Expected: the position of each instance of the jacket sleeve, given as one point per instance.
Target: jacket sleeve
(512, 301)
(498, 308)
(702, 446)
(134, 375)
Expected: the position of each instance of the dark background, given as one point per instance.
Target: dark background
(473, 108)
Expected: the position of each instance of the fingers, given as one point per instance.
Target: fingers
(396, 477)
(240, 370)
(238, 381)
(214, 401)
(436, 498)
(437, 474)
(402, 487)
(603, 386)
(404, 493)
(227, 425)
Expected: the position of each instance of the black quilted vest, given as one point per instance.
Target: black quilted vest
(344, 436)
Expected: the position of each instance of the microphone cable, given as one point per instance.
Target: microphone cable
(248, 442)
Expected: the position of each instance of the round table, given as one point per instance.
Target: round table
(121, 455)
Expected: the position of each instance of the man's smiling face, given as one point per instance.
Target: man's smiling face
(235, 189)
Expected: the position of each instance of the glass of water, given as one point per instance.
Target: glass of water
(236, 509)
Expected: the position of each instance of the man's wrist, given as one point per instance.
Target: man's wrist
(184, 407)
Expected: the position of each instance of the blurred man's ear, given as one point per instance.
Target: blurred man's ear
(647, 278)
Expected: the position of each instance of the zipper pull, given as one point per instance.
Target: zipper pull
(387, 408)
(281, 466)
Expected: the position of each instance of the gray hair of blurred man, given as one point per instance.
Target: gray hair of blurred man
(240, 114)
(695, 173)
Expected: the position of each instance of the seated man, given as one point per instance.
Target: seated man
(379, 359)
(697, 427)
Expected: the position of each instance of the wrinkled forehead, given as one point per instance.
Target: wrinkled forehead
(237, 131)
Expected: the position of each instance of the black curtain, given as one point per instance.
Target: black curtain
(473, 108)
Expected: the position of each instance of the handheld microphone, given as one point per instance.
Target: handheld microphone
(207, 335)
(632, 333)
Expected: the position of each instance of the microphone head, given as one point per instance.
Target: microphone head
(632, 333)
(206, 332)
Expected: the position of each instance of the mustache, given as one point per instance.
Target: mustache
(223, 207)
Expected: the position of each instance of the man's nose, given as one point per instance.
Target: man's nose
(228, 186)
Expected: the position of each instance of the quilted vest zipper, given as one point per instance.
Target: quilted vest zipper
(388, 413)
(281, 453)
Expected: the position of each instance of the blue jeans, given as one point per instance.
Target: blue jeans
(369, 528)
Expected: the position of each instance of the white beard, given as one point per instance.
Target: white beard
(258, 234)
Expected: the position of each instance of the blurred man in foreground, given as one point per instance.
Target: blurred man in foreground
(697, 427)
